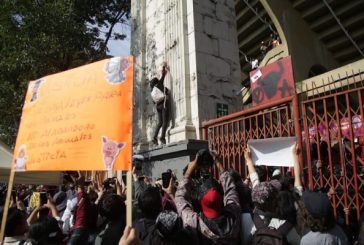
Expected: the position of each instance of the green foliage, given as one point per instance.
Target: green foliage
(41, 37)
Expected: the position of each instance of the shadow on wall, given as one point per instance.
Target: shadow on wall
(150, 72)
(172, 116)
(316, 70)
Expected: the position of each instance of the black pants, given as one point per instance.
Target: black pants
(163, 118)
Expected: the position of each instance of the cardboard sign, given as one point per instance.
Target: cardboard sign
(79, 119)
(273, 151)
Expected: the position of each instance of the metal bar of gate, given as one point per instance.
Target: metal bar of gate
(330, 156)
(353, 158)
(317, 141)
(342, 160)
(308, 148)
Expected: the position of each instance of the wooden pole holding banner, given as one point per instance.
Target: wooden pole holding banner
(129, 198)
(129, 175)
(6, 206)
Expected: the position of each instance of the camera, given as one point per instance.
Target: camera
(205, 159)
(109, 183)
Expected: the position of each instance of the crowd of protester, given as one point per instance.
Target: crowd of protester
(196, 209)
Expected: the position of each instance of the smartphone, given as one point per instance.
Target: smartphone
(166, 178)
(206, 160)
(43, 198)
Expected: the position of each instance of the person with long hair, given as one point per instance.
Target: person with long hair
(318, 217)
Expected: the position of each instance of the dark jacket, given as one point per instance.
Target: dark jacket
(111, 234)
(145, 229)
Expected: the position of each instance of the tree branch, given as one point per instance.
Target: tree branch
(120, 15)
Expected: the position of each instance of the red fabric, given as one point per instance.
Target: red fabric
(82, 214)
(212, 204)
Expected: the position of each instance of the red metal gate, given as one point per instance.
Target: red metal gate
(229, 135)
(334, 133)
(332, 127)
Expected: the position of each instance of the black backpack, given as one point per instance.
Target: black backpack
(265, 235)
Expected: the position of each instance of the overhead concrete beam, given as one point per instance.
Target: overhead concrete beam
(335, 28)
(253, 36)
(339, 11)
(313, 9)
(348, 51)
(251, 22)
(343, 39)
(299, 4)
(246, 9)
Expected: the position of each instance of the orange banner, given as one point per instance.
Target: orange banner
(80, 119)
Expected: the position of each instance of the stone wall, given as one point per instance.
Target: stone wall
(198, 40)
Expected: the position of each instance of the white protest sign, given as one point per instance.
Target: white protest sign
(272, 151)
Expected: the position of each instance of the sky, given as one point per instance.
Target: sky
(120, 47)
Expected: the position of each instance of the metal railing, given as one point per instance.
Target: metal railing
(331, 124)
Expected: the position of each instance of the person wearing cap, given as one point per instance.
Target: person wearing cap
(219, 221)
(319, 219)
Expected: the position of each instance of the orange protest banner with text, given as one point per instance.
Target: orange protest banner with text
(80, 119)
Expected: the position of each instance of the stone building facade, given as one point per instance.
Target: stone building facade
(199, 42)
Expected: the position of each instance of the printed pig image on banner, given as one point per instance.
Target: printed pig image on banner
(110, 151)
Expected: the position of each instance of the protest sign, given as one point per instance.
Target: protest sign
(80, 119)
(272, 151)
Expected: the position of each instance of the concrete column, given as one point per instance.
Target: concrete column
(198, 39)
(138, 47)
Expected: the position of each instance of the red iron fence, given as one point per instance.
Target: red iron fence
(332, 128)
(334, 148)
(229, 135)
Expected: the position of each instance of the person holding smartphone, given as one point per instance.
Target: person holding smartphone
(219, 221)
(168, 190)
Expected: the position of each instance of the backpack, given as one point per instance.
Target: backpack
(157, 95)
(265, 235)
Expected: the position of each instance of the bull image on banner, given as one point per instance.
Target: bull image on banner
(273, 82)
(80, 119)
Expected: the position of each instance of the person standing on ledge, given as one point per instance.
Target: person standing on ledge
(160, 96)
